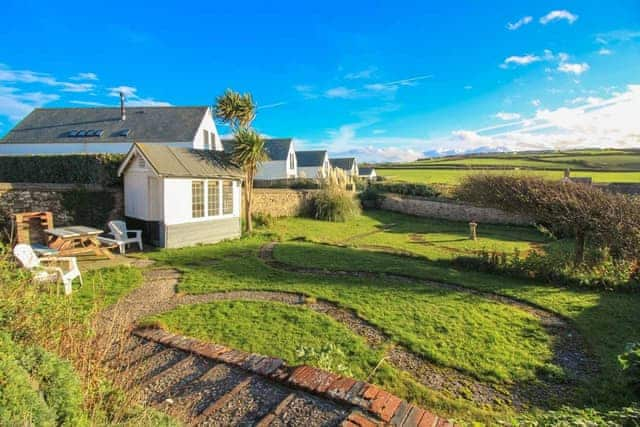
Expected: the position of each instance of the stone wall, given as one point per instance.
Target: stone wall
(449, 210)
(69, 203)
(281, 202)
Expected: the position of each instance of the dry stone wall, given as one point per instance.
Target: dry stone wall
(69, 203)
(450, 210)
(282, 202)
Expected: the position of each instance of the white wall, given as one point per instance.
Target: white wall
(310, 172)
(177, 202)
(73, 148)
(138, 192)
(292, 172)
(209, 125)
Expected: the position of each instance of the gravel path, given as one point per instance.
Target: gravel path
(569, 350)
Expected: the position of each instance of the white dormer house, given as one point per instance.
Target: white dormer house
(282, 163)
(110, 130)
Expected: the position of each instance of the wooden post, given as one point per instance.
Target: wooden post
(473, 231)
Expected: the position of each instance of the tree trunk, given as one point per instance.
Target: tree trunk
(248, 194)
(580, 243)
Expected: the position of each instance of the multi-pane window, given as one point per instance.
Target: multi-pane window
(213, 188)
(197, 199)
(227, 197)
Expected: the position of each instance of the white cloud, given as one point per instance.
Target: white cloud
(133, 99)
(272, 105)
(378, 131)
(507, 116)
(519, 23)
(557, 15)
(31, 77)
(340, 92)
(85, 76)
(577, 69)
(88, 103)
(624, 35)
(604, 52)
(363, 74)
(16, 105)
(536, 102)
(520, 60)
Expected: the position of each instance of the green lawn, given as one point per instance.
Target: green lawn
(492, 342)
(454, 176)
(277, 330)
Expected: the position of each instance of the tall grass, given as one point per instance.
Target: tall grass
(334, 202)
(56, 350)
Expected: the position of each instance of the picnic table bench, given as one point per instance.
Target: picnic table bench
(77, 240)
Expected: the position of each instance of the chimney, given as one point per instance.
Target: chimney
(123, 115)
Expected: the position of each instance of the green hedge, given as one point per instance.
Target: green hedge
(406, 189)
(98, 169)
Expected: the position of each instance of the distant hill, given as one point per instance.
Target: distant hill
(579, 160)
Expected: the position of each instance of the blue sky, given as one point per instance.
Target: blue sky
(383, 80)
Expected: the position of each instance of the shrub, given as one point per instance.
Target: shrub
(556, 266)
(406, 189)
(334, 202)
(371, 197)
(328, 357)
(630, 361)
(262, 220)
(69, 169)
(568, 209)
(335, 205)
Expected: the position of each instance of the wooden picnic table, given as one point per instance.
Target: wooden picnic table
(77, 240)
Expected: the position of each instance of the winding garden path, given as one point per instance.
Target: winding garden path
(210, 384)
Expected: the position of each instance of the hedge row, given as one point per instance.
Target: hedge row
(98, 169)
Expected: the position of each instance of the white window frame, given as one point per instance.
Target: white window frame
(235, 212)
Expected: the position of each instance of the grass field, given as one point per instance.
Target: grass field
(453, 176)
(494, 343)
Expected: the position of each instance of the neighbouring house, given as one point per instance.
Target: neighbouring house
(110, 130)
(313, 164)
(367, 173)
(348, 164)
(282, 163)
(181, 196)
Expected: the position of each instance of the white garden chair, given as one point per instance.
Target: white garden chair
(42, 273)
(122, 236)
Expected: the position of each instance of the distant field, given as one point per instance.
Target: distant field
(599, 160)
(453, 176)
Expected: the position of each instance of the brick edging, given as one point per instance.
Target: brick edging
(368, 397)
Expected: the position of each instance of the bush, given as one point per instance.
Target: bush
(371, 197)
(98, 169)
(262, 220)
(406, 189)
(630, 361)
(334, 202)
(335, 205)
(555, 266)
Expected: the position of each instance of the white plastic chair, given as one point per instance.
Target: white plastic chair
(28, 259)
(122, 236)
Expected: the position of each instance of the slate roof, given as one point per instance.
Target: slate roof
(310, 158)
(145, 124)
(345, 163)
(276, 148)
(365, 171)
(182, 162)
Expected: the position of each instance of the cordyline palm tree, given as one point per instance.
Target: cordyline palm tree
(238, 111)
(235, 109)
(249, 152)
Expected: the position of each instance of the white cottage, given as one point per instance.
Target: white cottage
(282, 163)
(110, 130)
(313, 164)
(348, 164)
(181, 196)
(367, 173)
